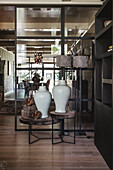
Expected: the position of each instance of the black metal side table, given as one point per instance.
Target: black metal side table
(60, 117)
(31, 122)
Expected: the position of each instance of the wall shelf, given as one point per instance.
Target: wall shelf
(105, 30)
(99, 80)
(106, 54)
(107, 68)
(103, 42)
(107, 81)
(107, 94)
(105, 9)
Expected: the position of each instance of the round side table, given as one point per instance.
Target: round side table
(41, 121)
(60, 117)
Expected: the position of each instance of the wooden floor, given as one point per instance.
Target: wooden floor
(42, 155)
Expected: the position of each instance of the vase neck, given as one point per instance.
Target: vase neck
(62, 82)
(42, 88)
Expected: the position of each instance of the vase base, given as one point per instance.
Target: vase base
(44, 117)
(60, 111)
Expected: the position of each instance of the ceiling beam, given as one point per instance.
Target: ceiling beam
(7, 43)
(52, 2)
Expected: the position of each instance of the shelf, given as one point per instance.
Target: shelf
(100, 101)
(99, 80)
(104, 30)
(105, 9)
(104, 41)
(107, 68)
(105, 106)
(107, 81)
(108, 104)
(106, 54)
(107, 94)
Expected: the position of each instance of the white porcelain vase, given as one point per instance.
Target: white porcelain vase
(61, 94)
(42, 100)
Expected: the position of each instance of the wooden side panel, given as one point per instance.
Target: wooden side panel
(103, 131)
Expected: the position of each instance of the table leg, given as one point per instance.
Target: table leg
(74, 130)
(30, 129)
(61, 128)
(52, 130)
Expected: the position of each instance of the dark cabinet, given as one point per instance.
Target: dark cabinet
(104, 82)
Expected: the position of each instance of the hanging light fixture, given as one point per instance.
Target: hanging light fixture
(38, 57)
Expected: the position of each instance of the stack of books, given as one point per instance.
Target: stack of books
(110, 48)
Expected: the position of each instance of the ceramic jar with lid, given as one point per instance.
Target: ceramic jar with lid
(61, 94)
(42, 100)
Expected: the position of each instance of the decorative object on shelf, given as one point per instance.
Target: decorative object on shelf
(86, 51)
(64, 60)
(80, 61)
(61, 94)
(110, 48)
(38, 58)
(107, 22)
(42, 100)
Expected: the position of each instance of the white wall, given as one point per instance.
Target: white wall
(8, 79)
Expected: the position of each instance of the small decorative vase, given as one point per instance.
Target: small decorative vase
(42, 100)
(61, 94)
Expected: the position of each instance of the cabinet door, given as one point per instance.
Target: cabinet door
(103, 131)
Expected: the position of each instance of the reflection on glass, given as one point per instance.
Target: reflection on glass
(79, 48)
(38, 22)
(26, 85)
(26, 49)
(78, 20)
(73, 81)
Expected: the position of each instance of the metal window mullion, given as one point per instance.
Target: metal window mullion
(62, 39)
(37, 37)
(15, 68)
(80, 97)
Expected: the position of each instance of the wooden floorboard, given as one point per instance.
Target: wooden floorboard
(42, 155)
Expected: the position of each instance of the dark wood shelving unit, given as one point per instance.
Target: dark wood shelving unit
(104, 83)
